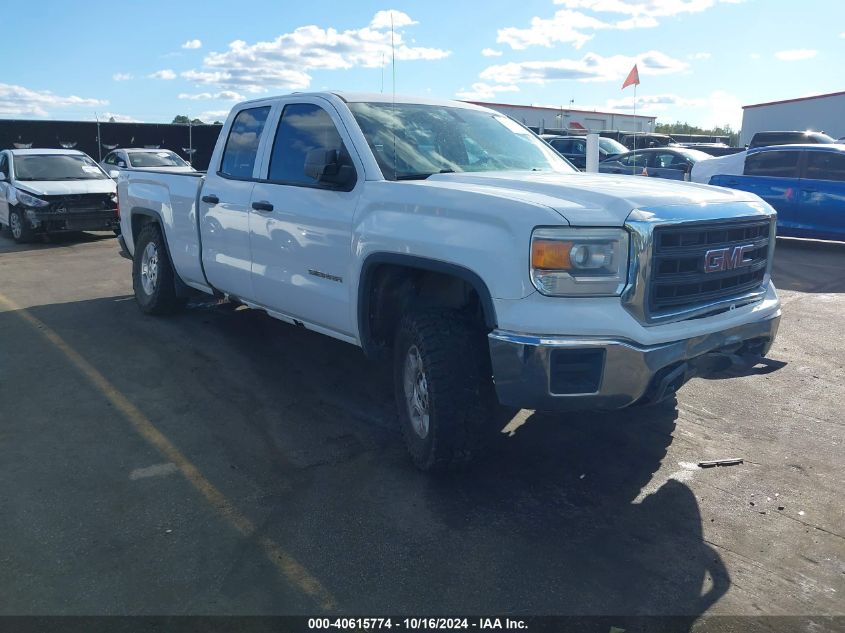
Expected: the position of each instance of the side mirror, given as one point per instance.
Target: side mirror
(323, 165)
(121, 164)
(114, 174)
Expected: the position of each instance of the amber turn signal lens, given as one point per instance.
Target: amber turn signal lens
(550, 255)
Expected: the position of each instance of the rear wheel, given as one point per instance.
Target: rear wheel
(19, 226)
(443, 387)
(153, 278)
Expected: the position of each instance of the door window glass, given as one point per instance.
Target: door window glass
(782, 164)
(242, 144)
(304, 127)
(561, 145)
(634, 160)
(826, 166)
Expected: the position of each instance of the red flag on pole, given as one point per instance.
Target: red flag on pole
(633, 78)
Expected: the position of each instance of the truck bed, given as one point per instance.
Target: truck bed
(172, 198)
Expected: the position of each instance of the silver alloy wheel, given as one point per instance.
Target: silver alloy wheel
(15, 225)
(416, 392)
(149, 268)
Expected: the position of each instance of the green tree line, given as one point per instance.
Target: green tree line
(686, 128)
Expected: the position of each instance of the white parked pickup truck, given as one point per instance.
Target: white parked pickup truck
(456, 240)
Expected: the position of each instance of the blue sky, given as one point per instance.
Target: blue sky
(699, 60)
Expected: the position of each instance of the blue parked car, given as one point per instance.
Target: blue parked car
(804, 183)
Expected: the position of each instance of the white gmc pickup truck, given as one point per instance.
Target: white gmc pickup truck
(456, 240)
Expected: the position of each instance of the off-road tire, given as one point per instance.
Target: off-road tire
(461, 403)
(26, 232)
(162, 299)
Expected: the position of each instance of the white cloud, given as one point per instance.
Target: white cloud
(699, 56)
(649, 8)
(381, 20)
(228, 95)
(210, 116)
(564, 27)
(481, 91)
(715, 110)
(591, 67)
(491, 52)
(572, 25)
(755, 55)
(796, 54)
(20, 101)
(285, 62)
(118, 118)
(122, 76)
(722, 108)
(163, 74)
(655, 103)
(192, 44)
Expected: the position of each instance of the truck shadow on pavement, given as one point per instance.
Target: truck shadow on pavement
(55, 240)
(567, 514)
(809, 265)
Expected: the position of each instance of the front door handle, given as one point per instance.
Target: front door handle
(210, 199)
(262, 205)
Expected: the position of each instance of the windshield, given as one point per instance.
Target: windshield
(155, 159)
(610, 146)
(413, 141)
(57, 167)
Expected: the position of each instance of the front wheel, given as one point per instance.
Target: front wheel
(152, 273)
(19, 227)
(443, 387)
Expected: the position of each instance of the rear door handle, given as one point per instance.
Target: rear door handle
(262, 205)
(210, 199)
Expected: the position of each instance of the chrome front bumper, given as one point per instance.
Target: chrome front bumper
(629, 373)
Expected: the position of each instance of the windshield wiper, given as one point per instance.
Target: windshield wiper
(423, 175)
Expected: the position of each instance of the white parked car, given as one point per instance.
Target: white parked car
(52, 190)
(453, 240)
(149, 159)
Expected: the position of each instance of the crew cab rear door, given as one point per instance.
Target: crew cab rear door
(822, 194)
(225, 202)
(772, 175)
(301, 229)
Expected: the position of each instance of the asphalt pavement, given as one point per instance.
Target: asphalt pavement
(222, 462)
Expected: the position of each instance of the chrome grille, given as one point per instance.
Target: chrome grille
(678, 281)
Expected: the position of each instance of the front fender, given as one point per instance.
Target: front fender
(484, 237)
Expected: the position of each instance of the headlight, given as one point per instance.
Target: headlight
(30, 201)
(579, 261)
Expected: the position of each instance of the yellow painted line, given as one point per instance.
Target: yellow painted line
(295, 573)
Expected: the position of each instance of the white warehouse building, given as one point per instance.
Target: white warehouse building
(819, 113)
(547, 119)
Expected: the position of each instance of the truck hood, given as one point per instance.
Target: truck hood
(65, 187)
(591, 199)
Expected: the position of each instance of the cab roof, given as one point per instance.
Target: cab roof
(378, 97)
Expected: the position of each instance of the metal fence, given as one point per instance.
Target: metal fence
(192, 142)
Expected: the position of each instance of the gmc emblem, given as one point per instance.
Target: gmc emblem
(720, 259)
